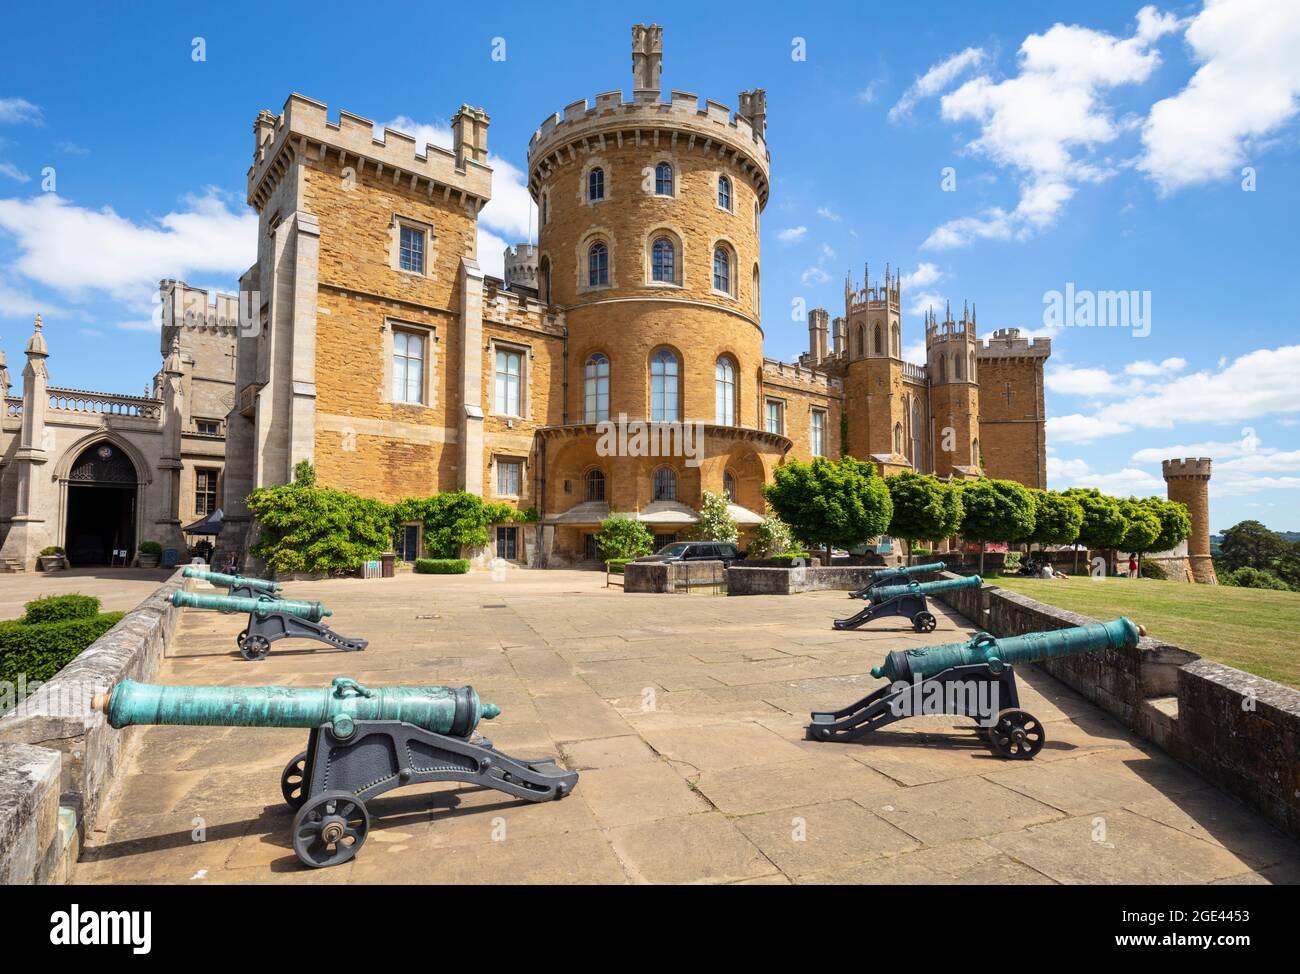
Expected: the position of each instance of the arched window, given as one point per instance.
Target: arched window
(663, 179)
(721, 269)
(898, 437)
(724, 192)
(724, 386)
(862, 341)
(546, 208)
(943, 368)
(729, 486)
(916, 434)
(596, 184)
(665, 485)
(971, 373)
(956, 365)
(595, 389)
(663, 261)
(594, 485)
(878, 343)
(757, 305)
(975, 452)
(665, 372)
(598, 264)
(756, 216)
(895, 344)
(544, 280)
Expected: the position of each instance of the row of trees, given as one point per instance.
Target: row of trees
(845, 503)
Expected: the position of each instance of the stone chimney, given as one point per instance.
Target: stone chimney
(469, 136)
(647, 61)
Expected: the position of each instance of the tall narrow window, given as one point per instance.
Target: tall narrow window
(729, 486)
(596, 184)
(894, 344)
(724, 386)
(818, 433)
(509, 382)
(755, 296)
(205, 491)
(663, 261)
(879, 344)
(665, 485)
(721, 270)
(664, 374)
(862, 341)
(408, 367)
(594, 482)
(724, 192)
(663, 179)
(411, 257)
(598, 264)
(956, 365)
(898, 437)
(546, 208)
(510, 478)
(774, 418)
(595, 390)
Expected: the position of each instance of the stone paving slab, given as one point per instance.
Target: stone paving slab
(684, 715)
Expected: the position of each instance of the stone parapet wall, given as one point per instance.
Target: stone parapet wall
(744, 580)
(58, 760)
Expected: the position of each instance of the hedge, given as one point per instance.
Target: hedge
(442, 566)
(56, 608)
(38, 651)
(616, 565)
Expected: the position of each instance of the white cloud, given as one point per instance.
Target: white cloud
(13, 172)
(826, 213)
(791, 234)
(19, 111)
(1067, 380)
(1043, 122)
(870, 93)
(814, 275)
(1077, 428)
(120, 256)
(1146, 368)
(1248, 86)
(914, 352)
(936, 79)
(1130, 481)
(925, 274)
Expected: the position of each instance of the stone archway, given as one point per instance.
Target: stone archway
(101, 502)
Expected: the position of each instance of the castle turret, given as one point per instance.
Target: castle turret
(875, 404)
(1188, 482)
(1012, 417)
(521, 267)
(954, 394)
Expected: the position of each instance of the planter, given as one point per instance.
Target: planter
(52, 563)
(147, 561)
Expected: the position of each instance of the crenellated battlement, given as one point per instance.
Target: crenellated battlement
(871, 297)
(797, 374)
(948, 330)
(1190, 468)
(303, 129)
(1007, 343)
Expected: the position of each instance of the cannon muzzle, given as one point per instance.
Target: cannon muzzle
(233, 581)
(442, 710)
(903, 571)
(264, 606)
(918, 664)
(912, 587)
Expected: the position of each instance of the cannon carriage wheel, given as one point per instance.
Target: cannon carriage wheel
(254, 647)
(1018, 735)
(924, 622)
(330, 829)
(294, 781)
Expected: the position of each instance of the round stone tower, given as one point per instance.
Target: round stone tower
(954, 393)
(521, 266)
(1188, 482)
(648, 240)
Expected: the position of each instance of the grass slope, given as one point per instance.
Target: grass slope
(1252, 629)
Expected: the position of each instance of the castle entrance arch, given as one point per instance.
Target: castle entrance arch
(103, 490)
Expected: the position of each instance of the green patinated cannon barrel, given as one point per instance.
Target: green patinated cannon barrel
(311, 611)
(442, 710)
(233, 581)
(883, 592)
(917, 664)
(903, 571)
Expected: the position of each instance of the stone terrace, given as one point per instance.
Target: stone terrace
(684, 715)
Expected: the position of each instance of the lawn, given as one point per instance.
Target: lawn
(1252, 629)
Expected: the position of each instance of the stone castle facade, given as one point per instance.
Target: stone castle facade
(97, 472)
(380, 350)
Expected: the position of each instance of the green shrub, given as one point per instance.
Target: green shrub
(316, 529)
(770, 537)
(1152, 569)
(150, 548)
(789, 556)
(716, 522)
(452, 521)
(1247, 577)
(616, 565)
(1012, 562)
(38, 651)
(442, 566)
(56, 608)
(52, 550)
(623, 537)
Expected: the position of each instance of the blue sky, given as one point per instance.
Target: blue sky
(1101, 145)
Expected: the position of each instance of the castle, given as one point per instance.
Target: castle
(96, 473)
(383, 353)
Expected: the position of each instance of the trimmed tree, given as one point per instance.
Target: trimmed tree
(829, 503)
(1142, 528)
(1103, 523)
(925, 509)
(621, 536)
(716, 522)
(1057, 518)
(1175, 522)
(996, 510)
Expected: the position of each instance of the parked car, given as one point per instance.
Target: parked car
(695, 551)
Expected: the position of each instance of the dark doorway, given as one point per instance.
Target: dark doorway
(101, 506)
